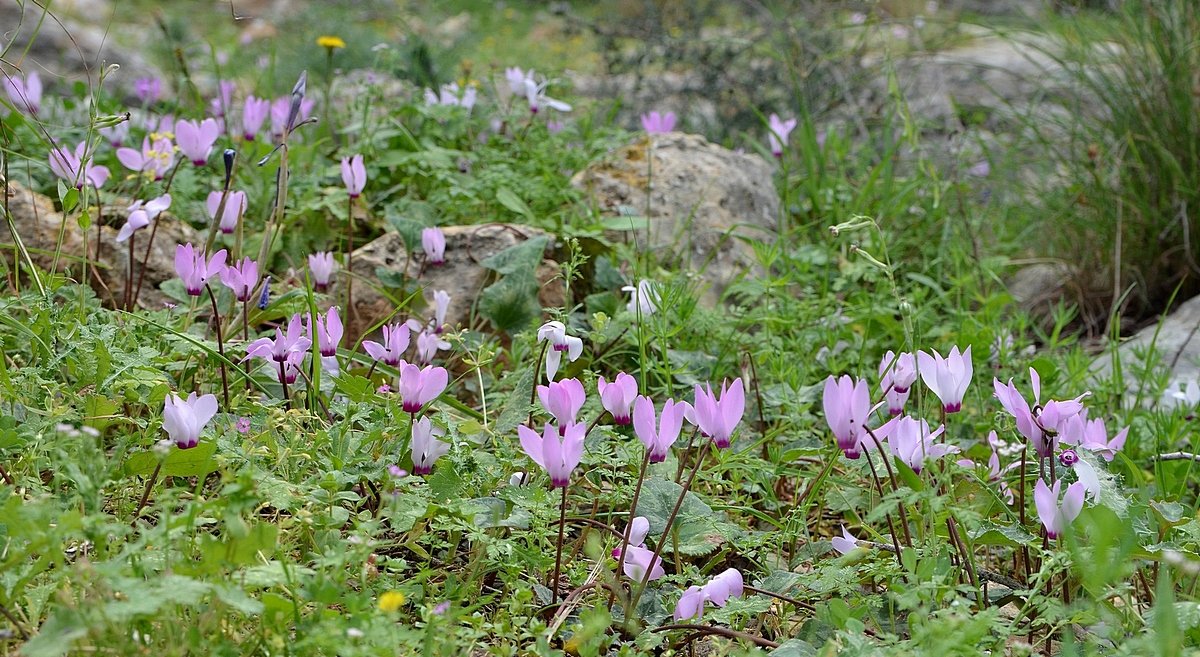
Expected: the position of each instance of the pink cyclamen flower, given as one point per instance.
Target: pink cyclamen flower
(116, 134)
(897, 374)
(912, 443)
(428, 345)
(441, 303)
(1042, 423)
(285, 343)
(419, 386)
(643, 298)
(184, 420)
(558, 456)
(155, 158)
(718, 590)
(231, 214)
(716, 416)
(254, 112)
(395, 343)
(846, 543)
(426, 448)
(242, 278)
(516, 79)
(433, 242)
(556, 334)
(948, 377)
(617, 397)
(141, 214)
(24, 92)
(655, 123)
(322, 266)
(562, 399)
(196, 138)
(658, 439)
(847, 404)
(328, 332)
(223, 102)
(195, 269)
(147, 90)
(535, 93)
(1056, 515)
(70, 166)
(779, 132)
(639, 559)
(1092, 435)
(354, 175)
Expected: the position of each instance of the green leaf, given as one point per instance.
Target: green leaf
(518, 259)
(794, 648)
(192, 462)
(506, 197)
(699, 531)
(989, 533)
(626, 223)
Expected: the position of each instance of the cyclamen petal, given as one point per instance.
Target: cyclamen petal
(617, 397)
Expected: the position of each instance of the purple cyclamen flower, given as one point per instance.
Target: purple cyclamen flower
(643, 298)
(433, 242)
(426, 448)
(322, 266)
(897, 374)
(535, 93)
(395, 343)
(1043, 428)
(354, 175)
(195, 269)
(155, 158)
(912, 442)
(778, 134)
(288, 346)
(716, 416)
(254, 112)
(846, 543)
(1092, 435)
(655, 123)
(223, 102)
(231, 214)
(419, 386)
(638, 561)
(116, 134)
(558, 456)
(196, 139)
(556, 334)
(141, 214)
(281, 109)
(658, 439)
(428, 344)
(617, 397)
(329, 332)
(441, 303)
(562, 399)
(1056, 515)
(718, 590)
(147, 90)
(184, 420)
(69, 166)
(516, 79)
(397, 472)
(847, 404)
(24, 92)
(948, 377)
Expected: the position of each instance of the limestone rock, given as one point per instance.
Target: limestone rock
(39, 224)
(462, 276)
(1176, 344)
(702, 199)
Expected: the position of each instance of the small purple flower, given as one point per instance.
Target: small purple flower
(254, 112)
(558, 456)
(1068, 458)
(658, 434)
(354, 175)
(196, 139)
(442, 607)
(148, 90)
(264, 299)
(655, 123)
(195, 269)
(383, 389)
(243, 425)
(231, 214)
(426, 448)
(433, 241)
(397, 472)
(778, 134)
(563, 399)
(24, 92)
(617, 397)
(328, 332)
(322, 266)
(718, 416)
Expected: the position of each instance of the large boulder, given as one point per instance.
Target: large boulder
(386, 261)
(701, 201)
(40, 224)
(1173, 343)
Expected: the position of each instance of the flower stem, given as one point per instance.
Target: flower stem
(146, 493)
(887, 463)
(287, 398)
(128, 274)
(637, 492)
(879, 488)
(349, 259)
(212, 298)
(562, 523)
(137, 290)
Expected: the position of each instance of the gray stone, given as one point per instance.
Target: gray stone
(462, 276)
(702, 200)
(1176, 346)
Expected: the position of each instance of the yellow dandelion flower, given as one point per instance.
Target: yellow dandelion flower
(331, 42)
(391, 601)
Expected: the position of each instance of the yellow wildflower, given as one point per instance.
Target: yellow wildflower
(391, 601)
(331, 42)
